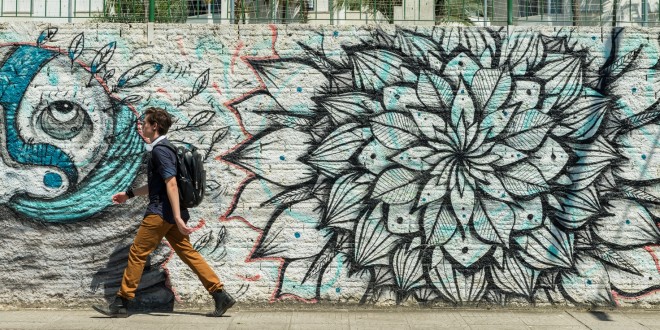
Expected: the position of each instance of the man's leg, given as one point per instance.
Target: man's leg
(181, 245)
(151, 232)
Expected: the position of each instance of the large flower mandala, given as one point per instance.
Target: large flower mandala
(457, 165)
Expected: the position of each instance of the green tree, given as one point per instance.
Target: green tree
(131, 11)
(446, 11)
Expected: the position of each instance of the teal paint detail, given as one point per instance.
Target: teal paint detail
(299, 89)
(297, 235)
(20, 68)
(115, 172)
(643, 156)
(53, 79)
(282, 157)
(52, 180)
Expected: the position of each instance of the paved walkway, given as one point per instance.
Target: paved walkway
(332, 318)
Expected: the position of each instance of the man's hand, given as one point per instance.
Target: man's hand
(119, 198)
(183, 228)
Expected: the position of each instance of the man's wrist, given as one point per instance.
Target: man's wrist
(130, 193)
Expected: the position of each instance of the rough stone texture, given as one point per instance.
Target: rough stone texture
(351, 164)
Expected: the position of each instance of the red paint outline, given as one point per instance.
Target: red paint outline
(249, 176)
(618, 298)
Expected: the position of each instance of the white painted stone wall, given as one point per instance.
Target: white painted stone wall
(350, 164)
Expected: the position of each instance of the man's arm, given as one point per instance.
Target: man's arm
(173, 196)
(121, 197)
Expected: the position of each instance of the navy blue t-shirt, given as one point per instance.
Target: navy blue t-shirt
(162, 166)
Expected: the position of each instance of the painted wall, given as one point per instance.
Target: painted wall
(344, 164)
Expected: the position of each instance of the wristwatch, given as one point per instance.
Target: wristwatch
(130, 193)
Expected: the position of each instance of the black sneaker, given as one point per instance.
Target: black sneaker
(223, 302)
(116, 309)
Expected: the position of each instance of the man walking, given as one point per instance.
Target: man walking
(163, 218)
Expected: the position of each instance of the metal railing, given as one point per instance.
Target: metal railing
(339, 12)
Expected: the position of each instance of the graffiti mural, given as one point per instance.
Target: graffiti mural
(458, 165)
(41, 136)
(373, 165)
(70, 138)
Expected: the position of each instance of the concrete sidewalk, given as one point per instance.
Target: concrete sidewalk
(357, 318)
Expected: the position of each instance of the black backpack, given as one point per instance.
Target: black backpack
(190, 174)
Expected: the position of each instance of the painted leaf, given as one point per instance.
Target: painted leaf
(395, 130)
(76, 47)
(611, 257)
(523, 179)
(454, 285)
(404, 219)
(284, 77)
(494, 188)
(413, 44)
(271, 150)
(416, 158)
(639, 150)
(435, 92)
(592, 159)
(396, 186)
(138, 75)
(466, 248)
(525, 50)
(407, 265)
(514, 277)
(349, 107)
(435, 189)
(493, 221)
(401, 98)
(576, 207)
(102, 58)
(462, 111)
(550, 159)
(200, 119)
(428, 123)
(373, 243)
(588, 284)
(546, 247)
(480, 42)
(645, 261)
(108, 74)
(563, 82)
(491, 88)
(296, 281)
(332, 284)
(288, 228)
(375, 69)
(346, 200)
(527, 130)
(584, 116)
(627, 224)
(529, 214)
(332, 156)
(46, 36)
(497, 121)
(439, 224)
(131, 99)
(292, 196)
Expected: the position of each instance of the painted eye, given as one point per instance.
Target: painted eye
(64, 120)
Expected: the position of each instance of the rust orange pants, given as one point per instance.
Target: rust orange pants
(151, 232)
